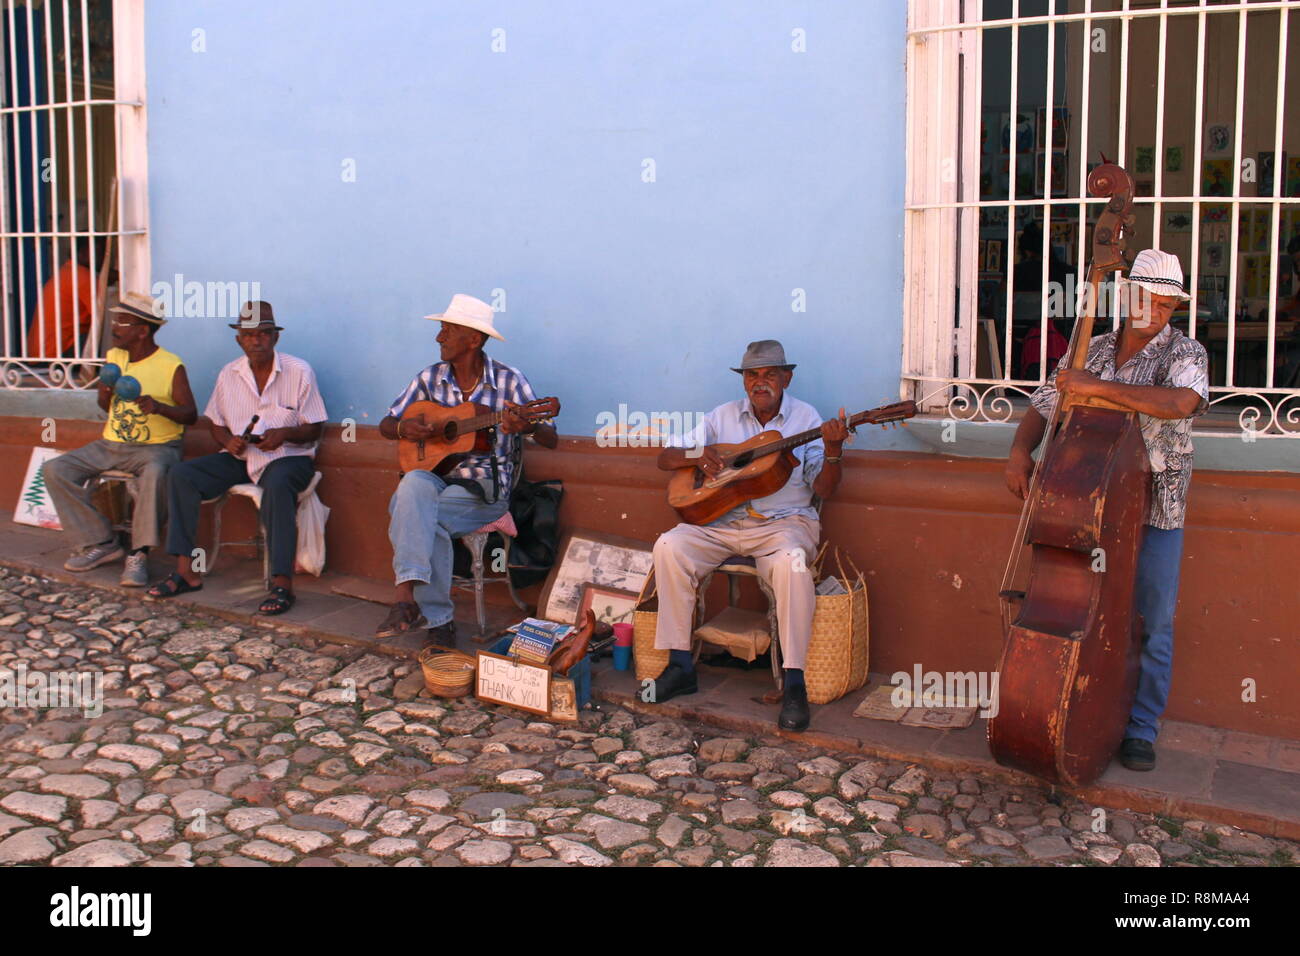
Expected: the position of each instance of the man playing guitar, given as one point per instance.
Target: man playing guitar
(780, 530)
(427, 510)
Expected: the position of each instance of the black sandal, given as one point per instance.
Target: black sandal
(171, 586)
(279, 601)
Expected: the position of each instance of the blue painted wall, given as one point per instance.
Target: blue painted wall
(522, 170)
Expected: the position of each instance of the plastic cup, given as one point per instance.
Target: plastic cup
(127, 388)
(622, 657)
(109, 374)
(623, 635)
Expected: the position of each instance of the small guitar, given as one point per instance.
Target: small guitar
(755, 468)
(459, 430)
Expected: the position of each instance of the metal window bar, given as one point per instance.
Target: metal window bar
(929, 20)
(42, 202)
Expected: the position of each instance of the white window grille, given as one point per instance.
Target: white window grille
(1191, 97)
(73, 177)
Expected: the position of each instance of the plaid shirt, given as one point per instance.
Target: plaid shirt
(1171, 360)
(500, 384)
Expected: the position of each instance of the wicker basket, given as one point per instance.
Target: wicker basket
(838, 650)
(650, 661)
(447, 673)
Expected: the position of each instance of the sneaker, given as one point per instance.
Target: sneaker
(444, 635)
(94, 556)
(136, 572)
(1137, 754)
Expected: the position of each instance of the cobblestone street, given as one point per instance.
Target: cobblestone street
(223, 745)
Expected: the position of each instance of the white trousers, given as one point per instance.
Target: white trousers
(784, 549)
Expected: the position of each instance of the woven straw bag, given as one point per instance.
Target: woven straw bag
(838, 650)
(650, 661)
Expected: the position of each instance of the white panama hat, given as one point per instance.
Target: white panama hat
(1160, 273)
(471, 312)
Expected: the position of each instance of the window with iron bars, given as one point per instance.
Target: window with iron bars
(1012, 102)
(74, 204)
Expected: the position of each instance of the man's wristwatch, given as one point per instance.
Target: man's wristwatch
(833, 460)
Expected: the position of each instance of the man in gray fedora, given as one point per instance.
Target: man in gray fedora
(779, 531)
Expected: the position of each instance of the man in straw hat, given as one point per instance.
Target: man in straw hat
(142, 436)
(275, 452)
(1152, 368)
(428, 510)
(779, 531)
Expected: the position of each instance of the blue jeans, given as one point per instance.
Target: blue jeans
(425, 513)
(1156, 595)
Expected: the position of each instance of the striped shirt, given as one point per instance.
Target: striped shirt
(735, 422)
(1171, 360)
(289, 399)
(500, 384)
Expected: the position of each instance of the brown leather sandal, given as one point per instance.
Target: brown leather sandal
(403, 617)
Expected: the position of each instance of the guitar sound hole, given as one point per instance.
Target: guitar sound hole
(742, 460)
(450, 431)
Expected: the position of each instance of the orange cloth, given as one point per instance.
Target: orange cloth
(74, 317)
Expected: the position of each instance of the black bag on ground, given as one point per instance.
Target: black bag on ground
(535, 506)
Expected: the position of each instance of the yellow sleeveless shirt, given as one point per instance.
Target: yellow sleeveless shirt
(126, 423)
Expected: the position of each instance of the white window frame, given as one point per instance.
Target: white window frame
(21, 365)
(944, 78)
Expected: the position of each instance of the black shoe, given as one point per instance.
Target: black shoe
(444, 635)
(794, 708)
(672, 682)
(1137, 754)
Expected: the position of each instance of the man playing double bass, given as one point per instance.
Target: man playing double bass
(1151, 368)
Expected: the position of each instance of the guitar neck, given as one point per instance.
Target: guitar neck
(479, 422)
(793, 441)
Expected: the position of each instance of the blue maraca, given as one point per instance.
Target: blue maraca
(127, 388)
(109, 374)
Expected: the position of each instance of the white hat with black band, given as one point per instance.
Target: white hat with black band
(1160, 273)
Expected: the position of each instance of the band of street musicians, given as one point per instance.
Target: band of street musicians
(266, 414)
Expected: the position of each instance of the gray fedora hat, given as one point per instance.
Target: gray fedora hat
(769, 353)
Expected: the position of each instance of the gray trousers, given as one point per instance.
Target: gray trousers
(66, 478)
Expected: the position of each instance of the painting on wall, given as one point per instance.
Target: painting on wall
(1267, 171)
(1174, 159)
(1024, 132)
(1216, 177)
(1177, 222)
(1218, 139)
(1144, 161)
(1060, 172)
(1060, 127)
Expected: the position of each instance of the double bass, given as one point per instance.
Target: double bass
(1071, 655)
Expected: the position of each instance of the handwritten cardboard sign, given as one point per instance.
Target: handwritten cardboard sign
(503, 680)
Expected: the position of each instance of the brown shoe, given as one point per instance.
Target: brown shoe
(442, 636)
(403, 618)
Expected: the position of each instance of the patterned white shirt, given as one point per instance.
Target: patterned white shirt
(735, 422)
(500, 384)
(290, 398)
(1171, 360)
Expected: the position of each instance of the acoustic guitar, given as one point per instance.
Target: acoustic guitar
(756, 468)
(459, 430)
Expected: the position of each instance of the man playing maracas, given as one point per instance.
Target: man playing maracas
(147, 395)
